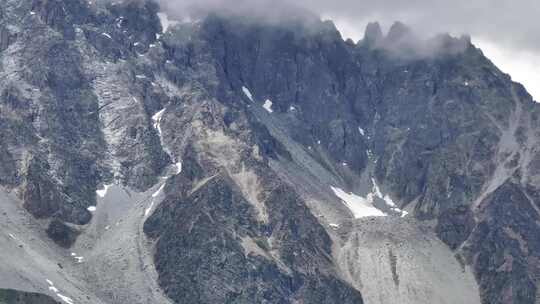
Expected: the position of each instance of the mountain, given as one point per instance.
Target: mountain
(249, 160)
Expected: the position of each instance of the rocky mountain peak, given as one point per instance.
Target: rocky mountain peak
(258, 161)
(373, 34)
(398, 31)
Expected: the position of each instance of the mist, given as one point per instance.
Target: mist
(405, 42)
(504, 21)
(262, 10)
(507, 28)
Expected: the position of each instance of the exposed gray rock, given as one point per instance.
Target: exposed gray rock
(262, 119)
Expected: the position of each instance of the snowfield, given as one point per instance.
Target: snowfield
(359, 206)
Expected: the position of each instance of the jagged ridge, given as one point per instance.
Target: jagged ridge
(446, 135)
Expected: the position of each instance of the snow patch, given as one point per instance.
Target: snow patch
(103, 192)
(62, 297)
(79, 259)
(362, 132)
(67, 300)
(106, 35)
(119, 21)
(332, 225)
(159, 190)
(178, 166)
(147, 211)
(53, 289)
(92, 208)
(359, 206)
(378, 193)
(387, 199)
(157, 120)
(268, 106)
(166, 23)
(247, 92)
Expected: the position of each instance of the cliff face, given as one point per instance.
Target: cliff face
(259, 135)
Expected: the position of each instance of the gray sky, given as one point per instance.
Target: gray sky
(507, 30)
(506, 21)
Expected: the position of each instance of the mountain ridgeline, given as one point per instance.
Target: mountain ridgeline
(241, 160)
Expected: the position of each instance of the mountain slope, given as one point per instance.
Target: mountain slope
(235, 161)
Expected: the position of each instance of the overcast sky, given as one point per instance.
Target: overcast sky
(507, 30)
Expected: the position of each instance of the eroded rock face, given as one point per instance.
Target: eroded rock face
(262, 119)
(55, 146)
(244, 261)
(441, 131)
(510, 270)
(265, 245)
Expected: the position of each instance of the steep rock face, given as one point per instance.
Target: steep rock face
(259, 120)
(261, 242)
(49, 97)
(448, 166)
(243, 262)
(436, 128)
(501, 246)
(55, 146)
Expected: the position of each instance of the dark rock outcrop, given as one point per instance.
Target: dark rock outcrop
(435, 124)
(62, 234)
(10, 296)
(94, 93)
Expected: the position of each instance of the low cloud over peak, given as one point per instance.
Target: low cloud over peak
(505, 21)
(510, 28)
